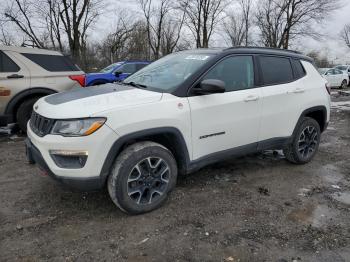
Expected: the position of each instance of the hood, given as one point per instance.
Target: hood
(89, 101)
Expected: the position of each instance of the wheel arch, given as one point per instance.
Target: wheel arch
(319, 113)
(170, 137)
(19, 98)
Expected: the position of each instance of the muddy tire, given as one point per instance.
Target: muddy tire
(24, 112)
(142, 177)
(305, 142)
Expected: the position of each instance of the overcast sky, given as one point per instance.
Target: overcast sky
(331, 45)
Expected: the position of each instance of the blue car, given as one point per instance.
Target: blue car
(114, 72)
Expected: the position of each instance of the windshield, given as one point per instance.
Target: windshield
(110, 68)
(167, 73)
(342, 68)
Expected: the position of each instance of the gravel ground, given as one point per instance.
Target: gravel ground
(256, 208)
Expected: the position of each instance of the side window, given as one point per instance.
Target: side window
(330, 72)
(276, 70)
(299, 69)
(237, 72)
(7, 65)
(52, 63)
(140, 66)
(338, 72)
(128, 68)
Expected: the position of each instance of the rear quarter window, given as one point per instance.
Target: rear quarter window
(7, 65)
(276, 70)
(52, 63)
(299, 70)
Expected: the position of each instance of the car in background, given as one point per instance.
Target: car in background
(114, 72)
(335, 77)
(27, 74)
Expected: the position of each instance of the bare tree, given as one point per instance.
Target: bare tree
(233, 29)
(281, 21)
(164, 24)
(53, 23)
(202, 18)
(246, 6)
(23, 14)
(345, 34)
(77, 16)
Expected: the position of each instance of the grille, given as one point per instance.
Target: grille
(40, 125)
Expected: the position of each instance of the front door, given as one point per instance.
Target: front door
(231, 119)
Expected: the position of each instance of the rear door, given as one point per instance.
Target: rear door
(231, 119)
(14, 78)
(284, 95)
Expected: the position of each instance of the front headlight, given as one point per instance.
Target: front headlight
(77, 127)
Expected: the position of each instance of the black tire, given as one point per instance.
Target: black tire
(135, 185)
(24, 112)
(343, 84)
(299, 151)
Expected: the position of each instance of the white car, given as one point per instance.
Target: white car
(344, 68)
(26, 74)
(335, 77)
(180, 113)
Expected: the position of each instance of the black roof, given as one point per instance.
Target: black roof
(252, 50)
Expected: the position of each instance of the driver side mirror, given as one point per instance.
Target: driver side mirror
(209, 86)
(118, 73)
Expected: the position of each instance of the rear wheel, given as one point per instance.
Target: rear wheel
(343, 84)
(142, 177)
(24, 112)
(305, 142)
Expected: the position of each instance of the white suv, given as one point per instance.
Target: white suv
(176, 115)
(27, 74)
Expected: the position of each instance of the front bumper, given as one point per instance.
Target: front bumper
(90, 176)
(84, 184)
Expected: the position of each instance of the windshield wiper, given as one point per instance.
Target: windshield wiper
(135, 84)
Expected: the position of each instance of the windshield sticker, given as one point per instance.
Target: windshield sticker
(197, 57)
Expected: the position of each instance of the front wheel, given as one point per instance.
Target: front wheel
(142, 177)
(305, 142)
(343, 84)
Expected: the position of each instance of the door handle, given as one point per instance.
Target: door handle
(298, 91)
(251, 98)
(14, 76)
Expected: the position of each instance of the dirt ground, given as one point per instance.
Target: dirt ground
(256, 208)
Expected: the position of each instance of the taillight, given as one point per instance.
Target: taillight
(328, 88)
(79, 78)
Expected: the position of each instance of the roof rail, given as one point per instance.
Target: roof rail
(266, 48)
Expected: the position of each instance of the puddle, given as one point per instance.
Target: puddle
(330, 173)
(343, 197)
(314, 215)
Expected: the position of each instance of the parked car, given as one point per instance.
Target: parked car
(27, 74)
(182, 112)
(344, 68)
(335, 77)
(114, 72)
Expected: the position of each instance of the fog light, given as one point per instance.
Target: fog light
(69, 159)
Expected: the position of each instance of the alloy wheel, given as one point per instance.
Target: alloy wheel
(308, 142)
(148, 180)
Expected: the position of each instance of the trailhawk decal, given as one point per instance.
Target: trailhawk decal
(211, 135)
